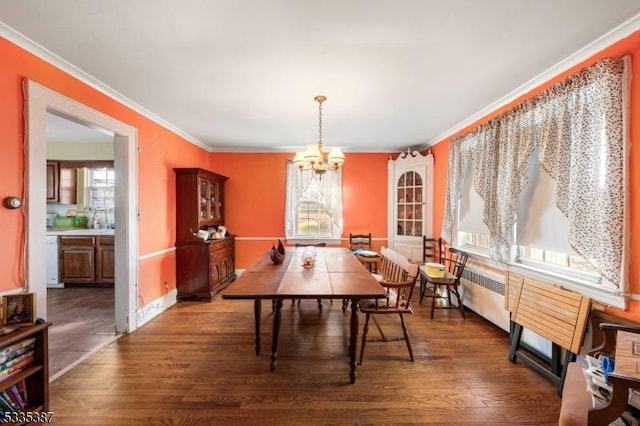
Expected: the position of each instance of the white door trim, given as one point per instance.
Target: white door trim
(39, 100)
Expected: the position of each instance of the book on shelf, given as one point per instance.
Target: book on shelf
(21, 386)
(15, 396)
(8, 352)
(8, 402)
(16, 368)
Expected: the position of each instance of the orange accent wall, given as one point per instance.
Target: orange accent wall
(255, 198)
(161, 150)
(628, 46)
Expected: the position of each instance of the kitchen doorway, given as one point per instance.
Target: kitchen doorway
(40, 101)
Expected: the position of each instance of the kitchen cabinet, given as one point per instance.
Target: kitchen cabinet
(203, 267)
(52, 182)
(86, 259)
(105, 260)
(62, 179)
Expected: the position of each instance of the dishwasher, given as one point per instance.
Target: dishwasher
(53, 280)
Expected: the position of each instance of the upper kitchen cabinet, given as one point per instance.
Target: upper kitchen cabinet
(199, 201)
(61, 182)
(52, 182)
(64, 182)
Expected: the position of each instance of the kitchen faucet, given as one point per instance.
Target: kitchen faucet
(97, 223)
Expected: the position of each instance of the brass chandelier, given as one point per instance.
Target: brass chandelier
(313, 157)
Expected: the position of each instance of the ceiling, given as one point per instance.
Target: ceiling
(241, 75)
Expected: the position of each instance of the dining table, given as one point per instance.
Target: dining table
(335, 274)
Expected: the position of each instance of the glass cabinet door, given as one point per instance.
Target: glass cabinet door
(409, 204)
(204, 195)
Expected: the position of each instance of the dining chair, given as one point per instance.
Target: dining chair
(398, 276)
(360, 241)
(455, 263)
(432, 252)
(360, 246)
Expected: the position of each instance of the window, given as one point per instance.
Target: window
(96, 189)
(313, 205)
(543, 185)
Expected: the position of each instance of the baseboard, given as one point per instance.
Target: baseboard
(155, 308)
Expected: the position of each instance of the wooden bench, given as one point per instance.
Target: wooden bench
(555, 314)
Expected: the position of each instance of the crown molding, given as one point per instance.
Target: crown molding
(41, 52)
(618, 33)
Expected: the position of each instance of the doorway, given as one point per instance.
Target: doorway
(39, 101)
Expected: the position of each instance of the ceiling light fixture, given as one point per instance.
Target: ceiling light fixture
(313, 158)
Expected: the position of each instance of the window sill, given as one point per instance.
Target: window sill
(327, 241)
(601, 293)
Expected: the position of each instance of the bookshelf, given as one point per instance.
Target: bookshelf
(34, 377)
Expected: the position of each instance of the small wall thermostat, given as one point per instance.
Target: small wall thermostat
(12, 202)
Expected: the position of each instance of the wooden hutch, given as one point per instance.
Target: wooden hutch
(202, 267)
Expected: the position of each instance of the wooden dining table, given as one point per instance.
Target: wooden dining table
(336, 274)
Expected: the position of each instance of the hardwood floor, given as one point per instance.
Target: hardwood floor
(83, 321)
(195, 365)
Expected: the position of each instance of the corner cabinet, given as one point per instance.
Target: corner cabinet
(203, 267)
(410, 209)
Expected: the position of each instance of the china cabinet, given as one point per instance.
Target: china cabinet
(203, 266)
(410, 210)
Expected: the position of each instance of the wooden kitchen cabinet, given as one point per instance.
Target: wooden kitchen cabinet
(202, 267)
(86, 259)
(77, 259)
(105, 260)
(52, 182)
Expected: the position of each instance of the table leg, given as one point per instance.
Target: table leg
(276, 334)
(257, 311)
(353, 340)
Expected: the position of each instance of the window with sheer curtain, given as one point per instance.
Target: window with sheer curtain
(544, 183)
(313, 205)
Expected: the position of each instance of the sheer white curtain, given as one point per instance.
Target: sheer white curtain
(299, 184)
(577, 126)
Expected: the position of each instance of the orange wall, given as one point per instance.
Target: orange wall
(255, 198)
(628, 46)
(161, 150)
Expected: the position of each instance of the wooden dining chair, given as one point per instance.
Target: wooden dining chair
(360, 241)
(455, 262)
(432, 252)
(398, 276)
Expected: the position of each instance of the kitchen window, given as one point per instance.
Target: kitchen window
(96, 189)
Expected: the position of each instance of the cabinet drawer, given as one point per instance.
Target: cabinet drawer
(105, 240)
(68, 240)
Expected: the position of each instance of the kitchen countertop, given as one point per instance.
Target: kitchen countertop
(79, 231)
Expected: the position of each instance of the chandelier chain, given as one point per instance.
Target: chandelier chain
(320, 123)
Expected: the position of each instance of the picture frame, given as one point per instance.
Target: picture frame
(19, 309)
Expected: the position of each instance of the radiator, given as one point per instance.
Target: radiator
(483, 293)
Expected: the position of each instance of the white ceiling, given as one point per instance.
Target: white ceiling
(241, 75)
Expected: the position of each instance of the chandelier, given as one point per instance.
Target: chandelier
(313, 157)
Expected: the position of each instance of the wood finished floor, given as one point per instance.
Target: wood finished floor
(83, 320)
(195, 365)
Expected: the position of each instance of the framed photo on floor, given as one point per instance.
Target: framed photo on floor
(19, 309)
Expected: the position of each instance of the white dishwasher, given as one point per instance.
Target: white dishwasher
(52, 262)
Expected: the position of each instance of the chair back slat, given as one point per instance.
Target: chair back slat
(360, 241)
(432, 250)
